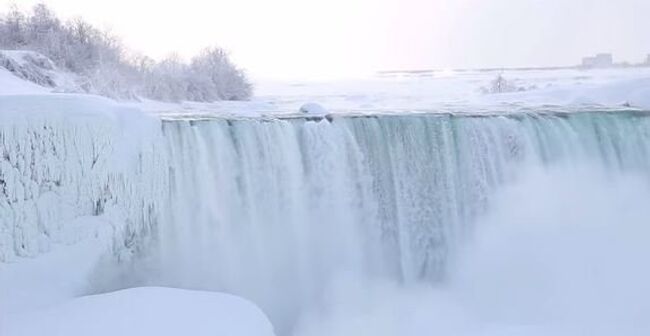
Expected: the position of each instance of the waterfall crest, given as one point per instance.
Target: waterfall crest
(275, 210)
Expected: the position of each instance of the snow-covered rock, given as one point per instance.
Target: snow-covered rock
(35, 68)
(313, 108)
(29, 66)
(143, 311)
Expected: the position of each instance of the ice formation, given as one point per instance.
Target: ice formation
(65, 157)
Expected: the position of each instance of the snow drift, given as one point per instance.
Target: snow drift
(144, 311)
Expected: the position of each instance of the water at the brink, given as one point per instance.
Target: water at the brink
(417, 224)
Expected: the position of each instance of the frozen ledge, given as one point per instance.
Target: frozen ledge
(512, 112)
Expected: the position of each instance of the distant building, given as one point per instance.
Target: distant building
(598, 61)
(647, 60)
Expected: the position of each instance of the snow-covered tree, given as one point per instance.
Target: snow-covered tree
(501, 85)
(12, 29)
(105, 67)
(225, 81)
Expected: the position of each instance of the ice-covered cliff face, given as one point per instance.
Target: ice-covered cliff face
(279, 210)
(69, 158)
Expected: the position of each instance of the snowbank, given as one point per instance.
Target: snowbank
(65, 272)
(143, 311)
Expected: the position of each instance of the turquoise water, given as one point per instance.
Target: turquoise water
(279, 210)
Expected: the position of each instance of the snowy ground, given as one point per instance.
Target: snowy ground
(460, 91)
(457, 92)
(143, 311)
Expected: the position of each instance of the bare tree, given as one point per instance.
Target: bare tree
(226, 81)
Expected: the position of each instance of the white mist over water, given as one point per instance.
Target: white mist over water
(561, 252)
(412, 223)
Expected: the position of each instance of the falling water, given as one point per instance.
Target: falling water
(279, 210)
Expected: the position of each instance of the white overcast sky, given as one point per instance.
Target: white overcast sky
(308, 38)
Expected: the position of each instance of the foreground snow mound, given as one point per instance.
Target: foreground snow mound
(144, 311)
